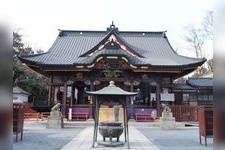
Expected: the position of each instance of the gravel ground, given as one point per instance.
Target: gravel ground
(185, 138)
(37, 137)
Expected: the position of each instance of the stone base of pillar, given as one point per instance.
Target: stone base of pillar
(167, 121)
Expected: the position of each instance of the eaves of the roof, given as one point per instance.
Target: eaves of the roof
(109, 52)
(200, 82)
(183, 86)
(152, 48)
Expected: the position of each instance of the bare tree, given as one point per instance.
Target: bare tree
(210, 64)
(200, 71)
(207, 24)
(195, 38)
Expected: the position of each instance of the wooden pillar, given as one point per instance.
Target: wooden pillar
(53, 95)
(132, 101)
(91, 99)
(76, 95)
(50, 97)
(171, 83)
(158, 91)
(150, 100)
(72, 94)
(124, 120)
(57, 88)
(148, 93)
(64, 99)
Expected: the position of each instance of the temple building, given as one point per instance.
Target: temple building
(137, 61)
(195, 92)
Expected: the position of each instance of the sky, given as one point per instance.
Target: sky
(39, 20)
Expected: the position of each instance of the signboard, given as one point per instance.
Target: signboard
(153, 97)
(167, 97)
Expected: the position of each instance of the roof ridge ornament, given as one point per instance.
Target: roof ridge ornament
(60, 32)
(164, 34)
(112, 27)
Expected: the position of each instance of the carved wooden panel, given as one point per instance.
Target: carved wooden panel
(112, 64)
(144, 76)
(112, 73)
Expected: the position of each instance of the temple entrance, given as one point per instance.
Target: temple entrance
(125, 57)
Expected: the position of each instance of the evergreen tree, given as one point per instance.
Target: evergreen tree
(23, 76)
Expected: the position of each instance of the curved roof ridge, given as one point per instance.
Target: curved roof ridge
(101, 53)
(31, 55)
(192, 58)
(62, 31)
(141, 31)
(97, 45)
(107, 36)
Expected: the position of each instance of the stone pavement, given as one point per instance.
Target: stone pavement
(79, 135)
(145, 136)
(83, 141)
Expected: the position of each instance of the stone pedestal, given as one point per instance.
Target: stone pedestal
(55, 120)
(167, 121)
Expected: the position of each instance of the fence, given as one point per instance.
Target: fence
(184, 113)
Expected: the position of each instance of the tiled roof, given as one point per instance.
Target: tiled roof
(69, 46)
(200, 82)
(182, 86)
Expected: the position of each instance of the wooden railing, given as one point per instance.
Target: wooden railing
(184, 113)
(32, 116)
(28, 108)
